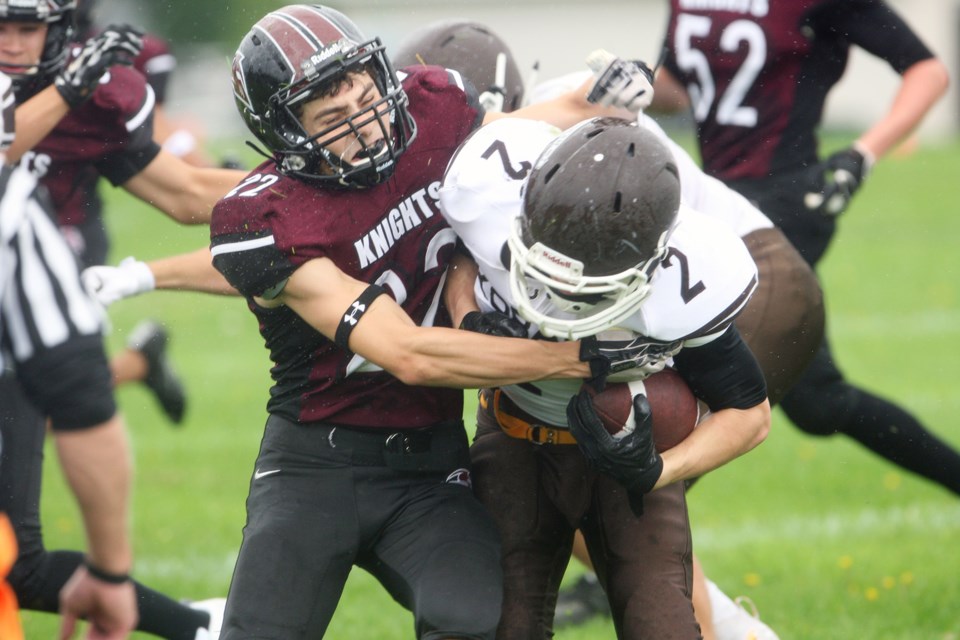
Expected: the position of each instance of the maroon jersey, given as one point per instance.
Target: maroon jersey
(391, 234)
(758, 73)
(109, 135)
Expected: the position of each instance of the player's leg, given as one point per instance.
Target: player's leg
(38, 574)
(300, 538)
(783, 322)
(511, 478)
(440, 555)
(824, 403)
(585, 598)
(644, 562)
(145, 359)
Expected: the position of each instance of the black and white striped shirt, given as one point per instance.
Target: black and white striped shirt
(42, 301)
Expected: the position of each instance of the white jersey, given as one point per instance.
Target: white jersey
(704, 193)
(705, 280)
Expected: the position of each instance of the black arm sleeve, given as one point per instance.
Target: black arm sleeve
(878, 29)
(723, 373)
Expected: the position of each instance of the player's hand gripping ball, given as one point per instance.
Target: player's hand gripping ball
(674, 407)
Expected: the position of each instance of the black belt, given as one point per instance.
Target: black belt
(419, 449)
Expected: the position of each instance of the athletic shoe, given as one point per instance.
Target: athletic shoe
(733, 621)
(150, 339)
(584, 600)
(214, 607)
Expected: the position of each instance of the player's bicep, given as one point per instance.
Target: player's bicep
(160, 183)
(330, 301)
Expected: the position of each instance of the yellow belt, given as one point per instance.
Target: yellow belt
(521, 429)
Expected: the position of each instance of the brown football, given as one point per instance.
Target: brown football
(674, 407)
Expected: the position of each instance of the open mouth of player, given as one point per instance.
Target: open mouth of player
(370, 153)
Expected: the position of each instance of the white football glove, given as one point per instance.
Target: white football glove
(626, 84)
(108, 284)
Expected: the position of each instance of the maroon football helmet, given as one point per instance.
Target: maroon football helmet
(290, 55)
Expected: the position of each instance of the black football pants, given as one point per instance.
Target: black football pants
(322, 501)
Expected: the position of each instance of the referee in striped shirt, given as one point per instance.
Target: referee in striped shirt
(53, 370)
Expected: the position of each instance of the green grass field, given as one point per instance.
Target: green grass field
(829, 541)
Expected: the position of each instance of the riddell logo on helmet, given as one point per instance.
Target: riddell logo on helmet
(557, 258)
(336, 48)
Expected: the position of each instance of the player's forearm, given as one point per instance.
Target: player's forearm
(453, 358)
(720, 438)
(458, 295)
(35, 118)
(923, 85)
(96, 463)
(567, 109)
(192, 271)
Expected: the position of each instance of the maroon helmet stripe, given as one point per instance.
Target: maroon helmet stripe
(304, 30)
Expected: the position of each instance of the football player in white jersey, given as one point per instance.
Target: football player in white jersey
(783, 325)
(572, 234)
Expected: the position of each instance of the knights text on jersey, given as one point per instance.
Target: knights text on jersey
(758, 73)
(703, 283)
(391, 234)
(110, 135)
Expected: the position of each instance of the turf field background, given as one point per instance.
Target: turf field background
(829, 541)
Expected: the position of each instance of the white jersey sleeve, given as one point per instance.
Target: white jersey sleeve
(481, 196)
(705, 193)
(705, 280)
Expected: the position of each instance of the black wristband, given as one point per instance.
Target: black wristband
(105, 576)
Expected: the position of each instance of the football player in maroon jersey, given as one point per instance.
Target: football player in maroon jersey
(101, 127)
(156, 62)
(364, 460)
(338, 244)
(756, 78)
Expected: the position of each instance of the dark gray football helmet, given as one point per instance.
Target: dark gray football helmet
(598, 209)
(475, 51)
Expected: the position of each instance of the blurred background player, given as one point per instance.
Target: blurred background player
(760, 138)
(54, 372)
(101, 126)
(475, 51)
(756, 80)
(156, 61)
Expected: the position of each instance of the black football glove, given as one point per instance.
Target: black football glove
(607, 357)
(118, 44)
(838, 178)
(493, 323)
(632, 460)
